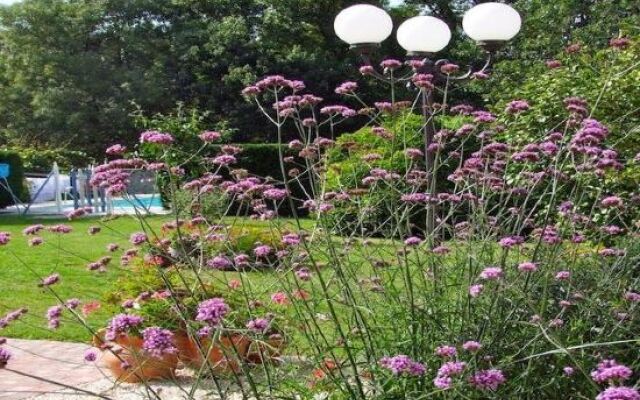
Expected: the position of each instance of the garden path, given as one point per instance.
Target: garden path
(55, 361)
(64, 362)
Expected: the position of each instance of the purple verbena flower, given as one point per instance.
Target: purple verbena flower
(158, 342)
(491, 273)
(122, 323)
(137, 238)
(212, 311)
(402, 365)
(619, 393)
(610, 371)
(489, 379)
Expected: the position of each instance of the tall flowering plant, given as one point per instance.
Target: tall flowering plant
(526, 286)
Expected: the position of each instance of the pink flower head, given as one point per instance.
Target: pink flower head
(480, 75)
(390, 64)
(423, 81)
(90, 355)
(258, 325)
(475, 290)
(303, 274)
(553, 64)
(610, 371)
(116, 150)
(219, 262)
(573, 48)
(620, 43)
(138, 238)
(212, 311)
(491, 273)
(446, 351)
(527, 267)
(291, 239)
(366, 70)
(461, 109)
(60, 228)
(346, 88)
(262, 251)
(632, 297)
(619, 393)
(280, 298)
(122, 323)
(157, 342)
(275, 194)
(483, 117)
(272, 82)
(224, 159)
(50, 280)
(32, 229)
(402, 365)
(471, 346)
(489, 379)
(156, 137)
(5, 237)
(5, 356)
(210, 136)
(511, 241)
(449, 68)
(251, 91)
(414, 153)
(412, 241)
(563, 275)
(338, 110)
(611, 202)
(517, 106)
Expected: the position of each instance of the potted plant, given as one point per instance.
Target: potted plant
(134, 353)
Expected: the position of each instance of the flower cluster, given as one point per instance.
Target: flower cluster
(122, 323)
(403, 365)
(158, 342)
(212, 311)
(156, 137)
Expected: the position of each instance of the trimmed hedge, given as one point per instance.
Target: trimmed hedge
(41, 160)
(16, 177)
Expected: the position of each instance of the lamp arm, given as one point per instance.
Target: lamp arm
(367, 61)
(470, 71)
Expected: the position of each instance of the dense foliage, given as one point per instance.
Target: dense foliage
(75, 71)
(15, 179)
(72, 73)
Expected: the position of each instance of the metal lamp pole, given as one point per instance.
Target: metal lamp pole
(364, 27)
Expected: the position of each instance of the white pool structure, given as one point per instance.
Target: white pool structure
(129, 205)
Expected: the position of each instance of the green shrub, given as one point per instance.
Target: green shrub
(606, 78)
(41, 160)
(16, 178)
(346, 169)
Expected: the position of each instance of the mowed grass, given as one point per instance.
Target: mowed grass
(68, 255)
(22, 267)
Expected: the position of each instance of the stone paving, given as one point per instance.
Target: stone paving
(56, 361)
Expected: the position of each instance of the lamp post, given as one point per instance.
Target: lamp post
(364, 27)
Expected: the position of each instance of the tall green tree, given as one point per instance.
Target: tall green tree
(73, 71)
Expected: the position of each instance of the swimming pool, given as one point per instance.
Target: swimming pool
(145, 202)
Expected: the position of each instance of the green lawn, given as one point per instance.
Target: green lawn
(19, 286)
(68, 255)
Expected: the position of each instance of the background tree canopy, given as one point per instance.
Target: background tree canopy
(73, 71)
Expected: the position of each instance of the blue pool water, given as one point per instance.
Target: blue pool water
(143, 202)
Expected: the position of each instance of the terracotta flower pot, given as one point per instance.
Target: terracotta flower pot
(187, 353)
(127, 362)
(269, 350)
(223, 356)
